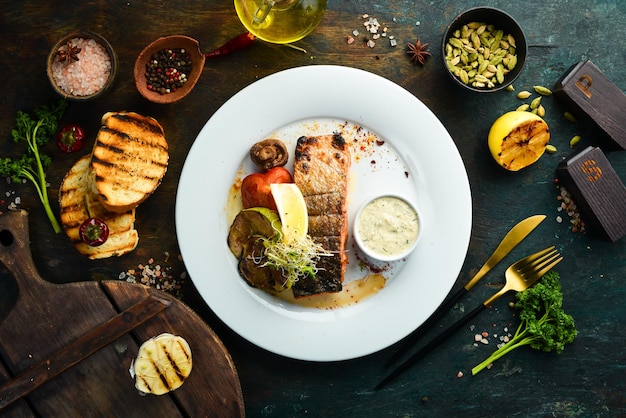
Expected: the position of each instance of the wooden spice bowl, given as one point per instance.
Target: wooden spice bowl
(500, 20)
(175, 41)
(53, 57)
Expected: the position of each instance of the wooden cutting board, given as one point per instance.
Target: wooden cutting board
(47, 317)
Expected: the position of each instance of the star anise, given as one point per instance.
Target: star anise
(69, 55)
(418, 52)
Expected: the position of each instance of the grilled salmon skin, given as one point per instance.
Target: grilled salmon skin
(321, 171)
(129, 159)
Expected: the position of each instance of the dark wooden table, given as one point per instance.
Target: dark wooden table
(585, 380)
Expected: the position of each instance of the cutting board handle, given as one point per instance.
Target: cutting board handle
(15, 251)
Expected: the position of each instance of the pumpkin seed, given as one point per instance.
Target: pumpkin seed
(544, 91)
(535, 103)
(500, 74)
(464, 77)
(575, 140)
(541, 111)
(511, 40)
(455, 42)
(569, 116)
(550, 148)
(512, 62)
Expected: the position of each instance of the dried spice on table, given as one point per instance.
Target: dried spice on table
(374, 31)
(158, 275)
(418, 52)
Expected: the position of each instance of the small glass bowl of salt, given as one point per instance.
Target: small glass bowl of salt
(81, 66)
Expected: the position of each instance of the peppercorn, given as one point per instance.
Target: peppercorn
(167, 70)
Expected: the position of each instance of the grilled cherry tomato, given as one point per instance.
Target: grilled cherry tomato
(71, 138)
(255, 188)
(94, 232)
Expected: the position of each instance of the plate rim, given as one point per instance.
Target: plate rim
(315, 74)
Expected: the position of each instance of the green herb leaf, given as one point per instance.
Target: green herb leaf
(544, 324)
(35, 133)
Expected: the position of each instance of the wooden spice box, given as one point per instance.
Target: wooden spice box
(588, 92)
(597, 190)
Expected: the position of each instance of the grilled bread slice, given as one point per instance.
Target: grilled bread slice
(78, 203)
(162, 364)
(129, 159)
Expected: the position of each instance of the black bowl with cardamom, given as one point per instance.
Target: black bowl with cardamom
(484, 49)
(81, 66)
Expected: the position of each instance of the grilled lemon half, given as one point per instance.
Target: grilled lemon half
(162, 364)
(517, 139)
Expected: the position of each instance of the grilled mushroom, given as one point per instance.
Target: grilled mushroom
(269, 153)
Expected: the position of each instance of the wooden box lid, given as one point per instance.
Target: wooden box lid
(588, 92)
(597, 190)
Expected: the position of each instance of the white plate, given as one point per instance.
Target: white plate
(418, 160)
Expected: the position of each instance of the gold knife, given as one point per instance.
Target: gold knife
(510, 241)
(80, 349)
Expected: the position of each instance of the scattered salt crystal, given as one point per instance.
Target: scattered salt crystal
(371, 43)
(478, 337)
(459, 374)
(355, 32)
(393, 42)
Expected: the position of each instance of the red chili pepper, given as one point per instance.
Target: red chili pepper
(94, 232)
(255, 188)
(239, 42)
(71, 138)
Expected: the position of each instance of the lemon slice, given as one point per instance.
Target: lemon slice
(517, 139)
(291, 209)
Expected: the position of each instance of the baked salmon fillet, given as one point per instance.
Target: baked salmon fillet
(321, 171)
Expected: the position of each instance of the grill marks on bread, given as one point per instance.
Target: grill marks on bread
(321, 171)
(77, 203)
(129, 159)
(127, 163)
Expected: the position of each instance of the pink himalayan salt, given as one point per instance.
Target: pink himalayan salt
(86, 76)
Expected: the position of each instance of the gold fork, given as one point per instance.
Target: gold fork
(519, 276)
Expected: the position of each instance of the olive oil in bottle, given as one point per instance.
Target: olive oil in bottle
(280, 21)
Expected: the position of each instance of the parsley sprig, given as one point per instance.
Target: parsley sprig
(544, 324)
(35, 132)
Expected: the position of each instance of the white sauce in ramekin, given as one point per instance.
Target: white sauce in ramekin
(387, 226)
